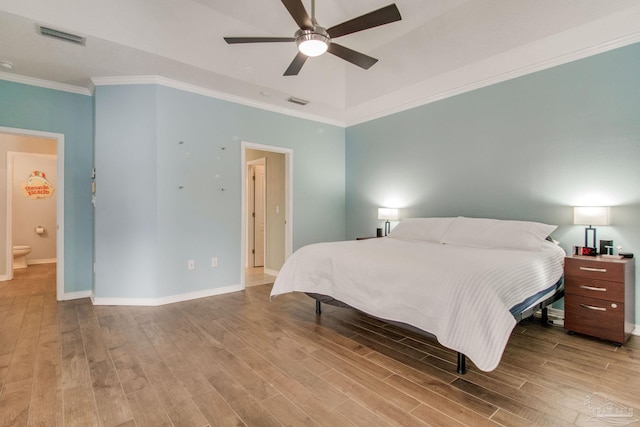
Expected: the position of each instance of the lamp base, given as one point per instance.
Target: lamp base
(586, 238)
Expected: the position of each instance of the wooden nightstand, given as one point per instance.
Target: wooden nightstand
(599, 297)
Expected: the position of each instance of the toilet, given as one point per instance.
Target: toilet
(20, 256)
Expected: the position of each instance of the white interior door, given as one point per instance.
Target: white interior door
(259, 215)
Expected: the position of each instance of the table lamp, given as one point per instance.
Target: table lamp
(590, 216)
(387, 214)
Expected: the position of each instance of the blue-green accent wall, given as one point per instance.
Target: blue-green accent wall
(529, 148)
(126, 208)
(160, 202)
(35, 108)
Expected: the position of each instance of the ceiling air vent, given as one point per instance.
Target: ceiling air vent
(298, 101)
(61, 35)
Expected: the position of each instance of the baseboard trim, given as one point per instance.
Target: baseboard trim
(42, 261)
(76, 295)
(271, 272)
(153, 302)
(555, 312)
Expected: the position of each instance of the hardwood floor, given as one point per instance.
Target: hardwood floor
(241, 359)
(254, 276)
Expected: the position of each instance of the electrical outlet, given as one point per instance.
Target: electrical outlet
(191, 264)
(214, 262)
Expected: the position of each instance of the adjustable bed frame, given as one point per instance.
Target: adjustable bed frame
(462, 359)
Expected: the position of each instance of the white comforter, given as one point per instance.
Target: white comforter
(462, 295)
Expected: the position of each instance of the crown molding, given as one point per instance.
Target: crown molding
(368, 110)
(32, 81)
(383, 106)
(187, 87)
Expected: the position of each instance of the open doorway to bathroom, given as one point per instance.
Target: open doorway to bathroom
(266, 212)
(34, 193)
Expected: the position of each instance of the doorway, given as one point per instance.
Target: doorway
(266, 212)
(256, 204)
(30, 141)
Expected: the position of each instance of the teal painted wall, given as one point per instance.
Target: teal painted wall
(147, 227)
(529, 148)
(35, 108)
(126, 191)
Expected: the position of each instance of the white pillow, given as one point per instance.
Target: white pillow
(427, 229)
(495, 233)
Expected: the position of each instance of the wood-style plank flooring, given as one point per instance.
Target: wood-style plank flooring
(254, 276)
(241, 359)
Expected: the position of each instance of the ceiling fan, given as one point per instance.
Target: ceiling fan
(314, 40)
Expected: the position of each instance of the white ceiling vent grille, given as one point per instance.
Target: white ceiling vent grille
(61, 35)
(298, 101)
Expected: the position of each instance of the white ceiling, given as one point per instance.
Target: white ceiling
(438, 49)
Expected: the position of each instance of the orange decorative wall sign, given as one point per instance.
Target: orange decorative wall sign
(37, 186)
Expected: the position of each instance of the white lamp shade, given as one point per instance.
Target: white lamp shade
(388, 214)
(591, 215)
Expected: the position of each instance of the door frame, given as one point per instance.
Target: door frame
(288, 211)
(59, 140)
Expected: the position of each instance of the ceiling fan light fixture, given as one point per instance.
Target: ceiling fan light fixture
(313, 42)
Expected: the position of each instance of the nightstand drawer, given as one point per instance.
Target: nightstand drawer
(595, 317)
(610, 271)
(593, 288)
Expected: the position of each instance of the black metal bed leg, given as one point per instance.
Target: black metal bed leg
(318, 307)
(544, 316)
(462, 364)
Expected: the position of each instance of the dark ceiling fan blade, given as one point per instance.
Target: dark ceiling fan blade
(386, 15)
(298, 13)
(296, 65)
(234, 40)
(356, 58)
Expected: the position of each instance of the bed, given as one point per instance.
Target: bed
(466, 281)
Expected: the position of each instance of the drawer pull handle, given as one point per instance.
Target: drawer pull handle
(597, 270)
(590, 307)
(593, 288)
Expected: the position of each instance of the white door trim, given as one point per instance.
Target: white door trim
(288, 187)
(59, 138)
(9, 229)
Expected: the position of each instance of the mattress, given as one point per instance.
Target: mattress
(461, 295)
